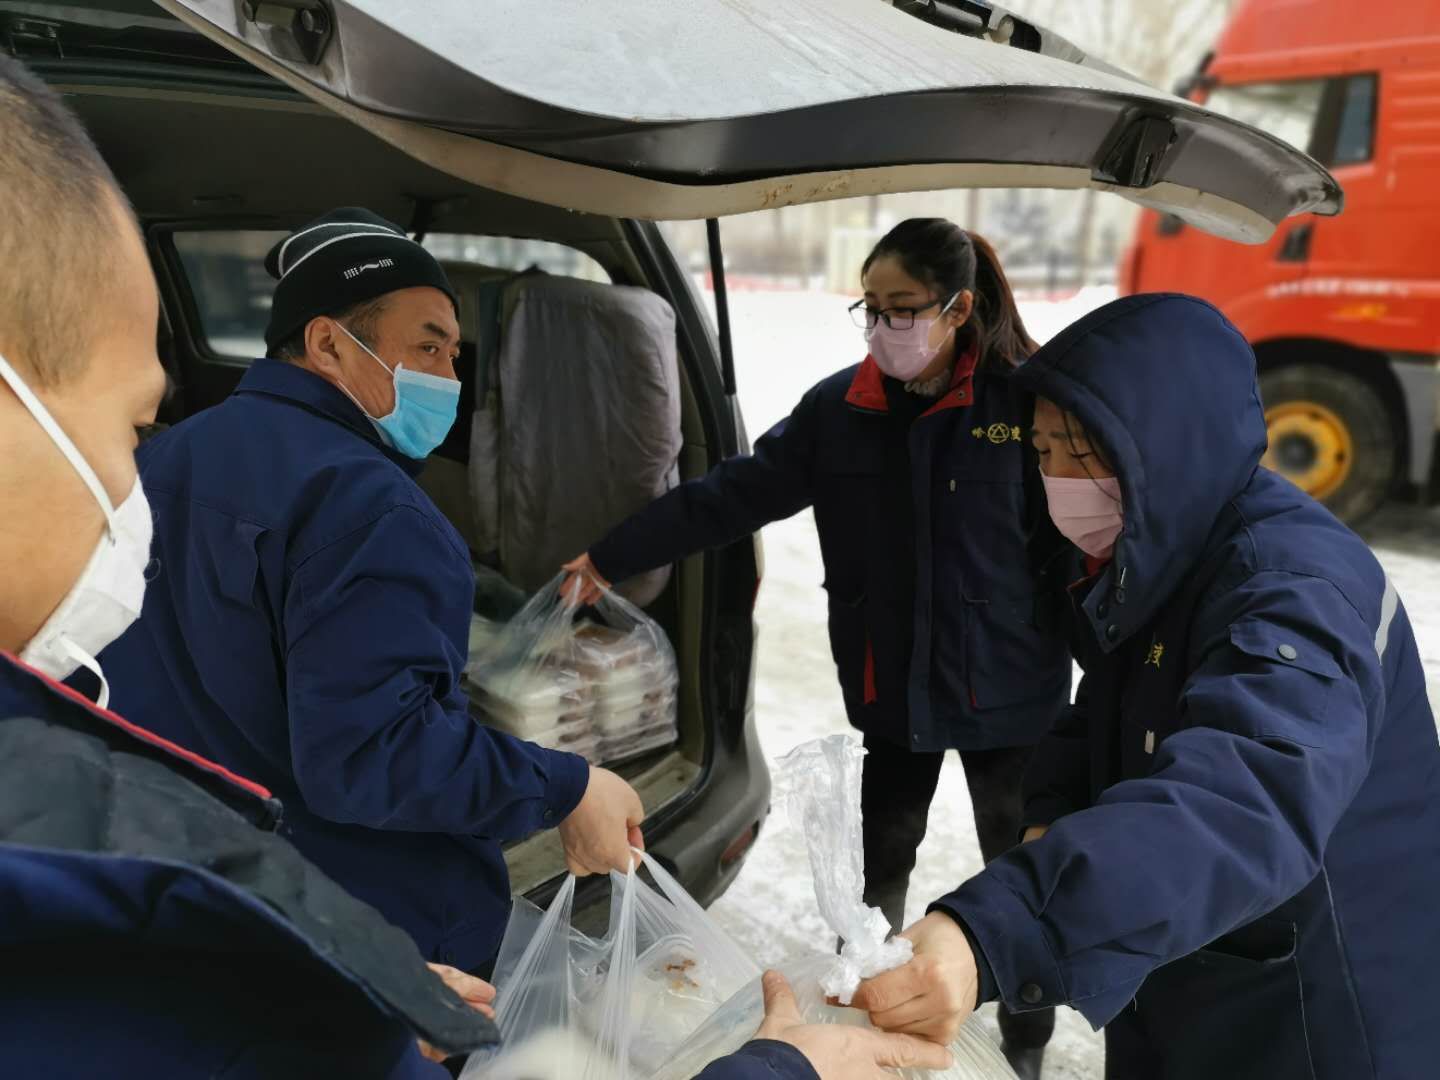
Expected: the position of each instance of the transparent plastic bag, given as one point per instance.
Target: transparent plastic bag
(604, 687)
(617, 1008)
(819, 783)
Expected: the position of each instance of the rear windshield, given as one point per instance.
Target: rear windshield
(231, 291)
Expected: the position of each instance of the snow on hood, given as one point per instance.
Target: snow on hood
(1167, 386)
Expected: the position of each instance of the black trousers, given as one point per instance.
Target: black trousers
(895, 794)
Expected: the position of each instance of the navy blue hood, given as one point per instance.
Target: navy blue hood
(1167, 387)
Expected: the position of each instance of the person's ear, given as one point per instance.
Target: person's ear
(322, 345)
(960, 311)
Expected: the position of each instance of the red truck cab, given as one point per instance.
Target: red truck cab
(1343, 312)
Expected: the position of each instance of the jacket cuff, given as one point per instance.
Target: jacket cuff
(986, 990)
(1023, 968)
(610, 563)
(774, 1060)
(569, 777)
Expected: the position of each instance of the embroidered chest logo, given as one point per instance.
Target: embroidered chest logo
(999, 434)
(1156, 654)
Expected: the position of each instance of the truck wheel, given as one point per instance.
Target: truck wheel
(1330, 435)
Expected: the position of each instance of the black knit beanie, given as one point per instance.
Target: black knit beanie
(344, 258)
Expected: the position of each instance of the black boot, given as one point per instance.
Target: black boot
(1027, 1061)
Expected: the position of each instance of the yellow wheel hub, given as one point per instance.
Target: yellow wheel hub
(1309, 445)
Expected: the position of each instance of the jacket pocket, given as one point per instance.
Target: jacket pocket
(850, 647)
(1010, 658)
(1264, 941)
(1300, 677)
(1265, 641)
(1234, 1008)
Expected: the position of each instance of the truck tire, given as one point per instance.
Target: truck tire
(1332, 436)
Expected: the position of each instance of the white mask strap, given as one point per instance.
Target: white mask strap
(90, 664)
(57, 435)
(388, 370)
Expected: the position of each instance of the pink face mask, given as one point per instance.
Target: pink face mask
(1087, 512)
(904, 354)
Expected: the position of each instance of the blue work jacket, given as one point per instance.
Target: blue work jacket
(761, 1059)
(1243, 869)
(957, 652)
(306, 623)
(152, 923)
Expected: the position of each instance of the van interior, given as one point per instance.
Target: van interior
(212, 204)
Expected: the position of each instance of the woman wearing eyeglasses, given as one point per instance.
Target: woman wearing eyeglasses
(927, 504)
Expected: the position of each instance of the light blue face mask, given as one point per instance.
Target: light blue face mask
(424, 410)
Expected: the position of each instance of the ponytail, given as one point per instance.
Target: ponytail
(949, 260)
(998, 328)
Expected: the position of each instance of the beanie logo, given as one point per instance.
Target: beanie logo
(356, 271)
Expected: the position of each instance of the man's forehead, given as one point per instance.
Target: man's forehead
(425, 309)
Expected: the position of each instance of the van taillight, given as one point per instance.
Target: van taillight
(739, 846)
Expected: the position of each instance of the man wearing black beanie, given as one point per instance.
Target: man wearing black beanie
(308, 617)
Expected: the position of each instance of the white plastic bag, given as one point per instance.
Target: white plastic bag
(571, 1007)
(602, 687)
(819, 783)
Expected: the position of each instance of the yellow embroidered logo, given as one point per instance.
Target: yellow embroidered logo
(999, 434)
(1157, 652)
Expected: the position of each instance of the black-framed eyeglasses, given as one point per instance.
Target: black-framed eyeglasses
(896, 318)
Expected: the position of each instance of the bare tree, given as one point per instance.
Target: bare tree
(1156, 40)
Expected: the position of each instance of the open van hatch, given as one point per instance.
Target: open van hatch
(657, 110)
(618, 109)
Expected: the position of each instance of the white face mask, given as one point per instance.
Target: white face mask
(110, 591)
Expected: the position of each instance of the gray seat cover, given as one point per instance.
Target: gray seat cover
(580, 417)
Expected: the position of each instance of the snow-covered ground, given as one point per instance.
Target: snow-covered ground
(784, 343)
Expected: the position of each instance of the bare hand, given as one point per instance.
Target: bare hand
(935, 992)
(584, 585)
(1034, 832)
(476, 993)
(600, 832)
(838, 1052)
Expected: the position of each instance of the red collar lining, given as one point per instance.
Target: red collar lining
(1093, 567)
(867, 389)
(139, 732)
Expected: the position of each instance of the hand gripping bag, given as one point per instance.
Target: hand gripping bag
(571, 1007)
(819, 783)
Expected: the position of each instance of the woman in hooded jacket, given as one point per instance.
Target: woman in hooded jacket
(1232, 860)
(925, 496)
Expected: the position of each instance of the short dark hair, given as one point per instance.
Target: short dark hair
(359, 319)
(58, 255)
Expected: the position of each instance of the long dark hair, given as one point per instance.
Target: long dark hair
(944, 257)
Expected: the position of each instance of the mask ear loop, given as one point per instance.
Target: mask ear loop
(953, 330)
(392, 372)
(90, 664)
(65, 444)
